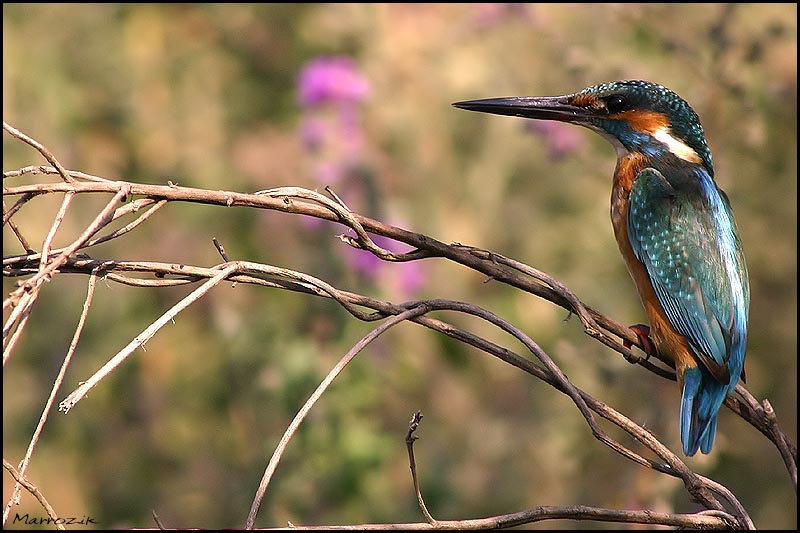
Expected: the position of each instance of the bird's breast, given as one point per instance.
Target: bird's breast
(628, 167)
(667, 340)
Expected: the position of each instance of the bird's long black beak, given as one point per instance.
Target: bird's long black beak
(539, 107)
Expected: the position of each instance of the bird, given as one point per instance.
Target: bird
(675, 230)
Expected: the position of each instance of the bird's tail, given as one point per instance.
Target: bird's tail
(702, 397)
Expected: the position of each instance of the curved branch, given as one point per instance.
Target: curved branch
(301, 201)
(550, 373)
(716, 520)
(298, 419)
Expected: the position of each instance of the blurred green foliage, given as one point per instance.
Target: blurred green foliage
(206, 96)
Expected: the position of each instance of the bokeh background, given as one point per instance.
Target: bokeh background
(357, 97)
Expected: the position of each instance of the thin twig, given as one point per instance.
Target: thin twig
(723, 491)
(101, 220)
(33, 489)
(17, 320)
(25, 296)
(781, 440)
(128, 208)
(48, 241)
(42, 150)
(43, 169)
(78, 394)
(157, 521)
(53, 392)
(410, 439)
(417, 310)
(22, 200)
(7, 214)
(220, 249)
(347, 217)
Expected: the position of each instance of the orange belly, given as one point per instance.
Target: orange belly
(666, 339)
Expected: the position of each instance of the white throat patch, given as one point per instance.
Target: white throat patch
(676, 146)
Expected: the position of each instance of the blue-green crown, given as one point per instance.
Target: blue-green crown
(644, 95)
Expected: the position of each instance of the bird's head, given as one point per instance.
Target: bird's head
(635, 116)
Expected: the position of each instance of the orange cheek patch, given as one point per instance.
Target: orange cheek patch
(645, 121)
(658, 126)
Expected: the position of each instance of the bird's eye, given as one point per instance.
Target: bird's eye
(616, 104)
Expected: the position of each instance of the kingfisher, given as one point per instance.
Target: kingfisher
(676, 231)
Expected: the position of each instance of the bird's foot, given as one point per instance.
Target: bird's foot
(643, 333)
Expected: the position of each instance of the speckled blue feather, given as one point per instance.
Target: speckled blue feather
(687, 239)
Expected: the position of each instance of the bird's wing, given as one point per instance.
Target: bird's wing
(678, 238)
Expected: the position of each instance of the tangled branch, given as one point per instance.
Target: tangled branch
(35, 268)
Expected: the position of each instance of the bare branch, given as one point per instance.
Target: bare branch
(707, 520)
(42, 169)
(410, 438)
(7, 214)
(142, 338)
(418, 309)
(51, 399)
(321, 207)
(314, 204)
(33, 489)
(345, 216)
(42, 150)
(42, 266)
(25, 296)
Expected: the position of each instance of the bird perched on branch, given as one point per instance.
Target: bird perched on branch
(676, 232)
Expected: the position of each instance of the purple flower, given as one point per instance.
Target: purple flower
(334, 80)
(330, 92)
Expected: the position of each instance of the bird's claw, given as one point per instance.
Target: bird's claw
(643, 333)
